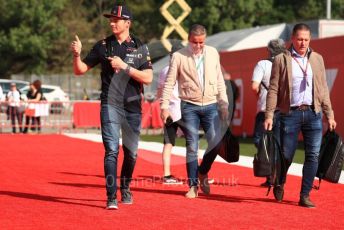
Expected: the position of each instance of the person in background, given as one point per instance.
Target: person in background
(299, 89)
(29, 96)
(85, 97)
(260, 85)
(125, 67)
(1, 94)
(202, 91)
(232, 92)
(1, 98)
(13, 100)
(34, 95)
(175, 122)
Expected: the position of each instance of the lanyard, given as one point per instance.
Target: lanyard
(304, 70)
(200, 63)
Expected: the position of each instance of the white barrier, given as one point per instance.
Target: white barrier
(54, 116)
(37, 109)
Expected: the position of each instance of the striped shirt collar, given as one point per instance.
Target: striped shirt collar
(296, 54)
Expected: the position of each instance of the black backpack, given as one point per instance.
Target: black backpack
(228, 148)
(269, 160)
(331, 158)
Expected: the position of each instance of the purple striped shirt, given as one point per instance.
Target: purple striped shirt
(302, 75)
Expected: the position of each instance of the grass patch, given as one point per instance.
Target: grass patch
(247, 147)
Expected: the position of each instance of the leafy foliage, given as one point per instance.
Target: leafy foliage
(28, 31)
(35, 34)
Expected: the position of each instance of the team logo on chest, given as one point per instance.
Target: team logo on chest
(132, 55)
(130, 60)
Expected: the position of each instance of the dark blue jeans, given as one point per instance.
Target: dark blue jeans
(208, 117)
(310, 125)
(113, 120)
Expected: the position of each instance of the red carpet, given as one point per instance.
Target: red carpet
(56, 182)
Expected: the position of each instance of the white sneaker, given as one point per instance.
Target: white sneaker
(171, 180)
(211, 180)
(112, 204)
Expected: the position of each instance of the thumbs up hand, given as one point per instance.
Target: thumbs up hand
(76, 46)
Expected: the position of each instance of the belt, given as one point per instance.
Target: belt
(302, 107)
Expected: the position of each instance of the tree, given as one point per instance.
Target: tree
(295, 10)
(35, 34)
(337, 9)
(28, 30)
(224, 15)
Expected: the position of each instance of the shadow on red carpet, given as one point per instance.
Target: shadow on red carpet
(56, 182)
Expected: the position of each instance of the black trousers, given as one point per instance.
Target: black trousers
(35, 123)
(14, 113)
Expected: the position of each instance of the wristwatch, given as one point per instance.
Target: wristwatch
(127, 70)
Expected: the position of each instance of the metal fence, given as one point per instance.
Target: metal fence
(55, 117)
(71, 116)
(75, 87)
(78, 87)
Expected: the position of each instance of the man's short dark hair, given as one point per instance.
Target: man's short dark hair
(197, 29)
(301, 26)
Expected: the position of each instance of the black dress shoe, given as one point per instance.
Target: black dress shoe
(265, 184)
(306, 202)
(278, 192)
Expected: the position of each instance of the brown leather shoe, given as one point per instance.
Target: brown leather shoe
(192, 193)
(278, 192)
(306, 202)
(204, 183)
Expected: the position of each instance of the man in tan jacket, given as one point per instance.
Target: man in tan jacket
(203, 93)
(298, 88)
